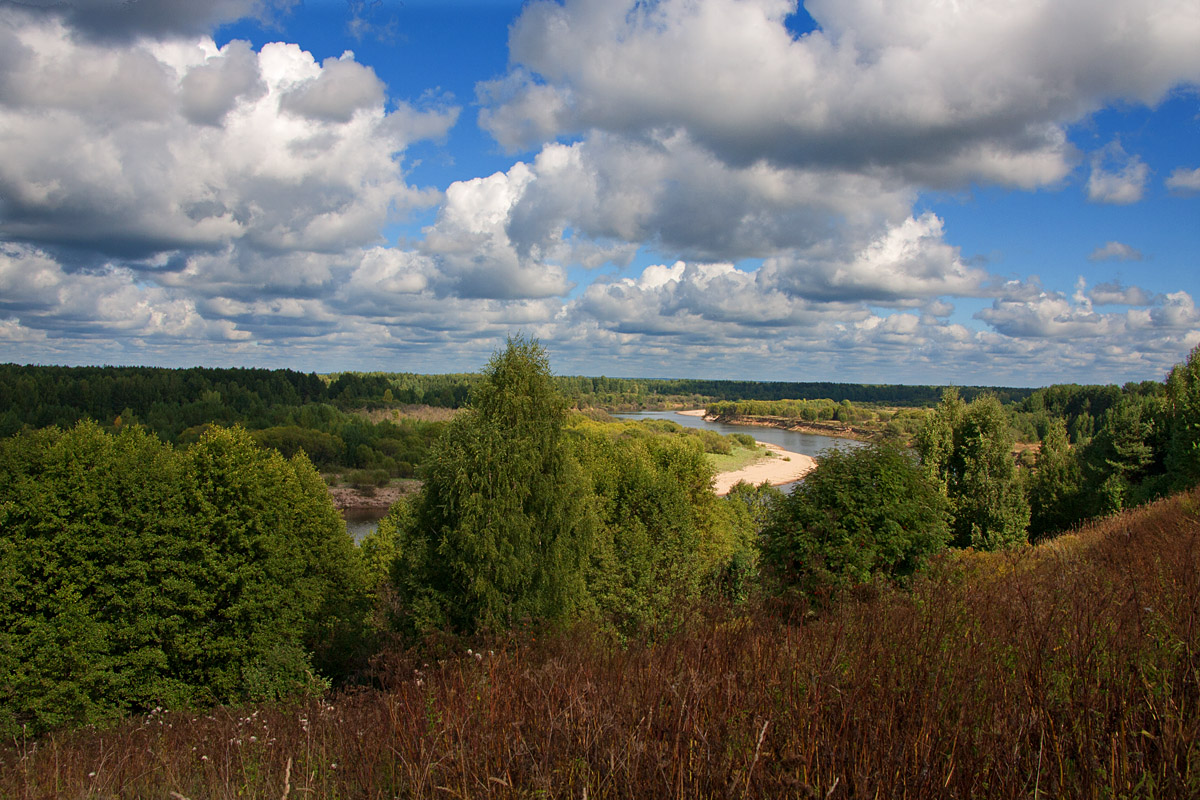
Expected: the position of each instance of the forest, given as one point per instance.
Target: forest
(575, 576)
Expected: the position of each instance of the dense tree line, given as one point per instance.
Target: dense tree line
(1107, 451)
(289, 411)
(725, 390)
(134, 575)
(887, 422)
(38, 396)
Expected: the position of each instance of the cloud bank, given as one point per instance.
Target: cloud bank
(165, 199)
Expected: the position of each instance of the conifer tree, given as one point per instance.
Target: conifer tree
(500, 532)
(1183, 448)
(134, 575)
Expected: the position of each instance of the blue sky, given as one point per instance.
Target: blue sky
(914, 192)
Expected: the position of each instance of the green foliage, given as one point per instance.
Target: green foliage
(285, 410)
(1056, 489)
(661, 536)
(380, 549)
(1124, 462)
(367, 478)
(751, 509)
(321, 448)
(500, 530)
(138, 576)
(696, 392)
(744, 439)
(1183, 449)
(967, 452)
(757, 503)
(862, 513)
(527, 517)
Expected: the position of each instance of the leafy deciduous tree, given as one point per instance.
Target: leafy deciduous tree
(1183, 449)
(864, 512)
(1055, 490)
(967, 451)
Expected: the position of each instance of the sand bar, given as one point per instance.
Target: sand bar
(772, 468)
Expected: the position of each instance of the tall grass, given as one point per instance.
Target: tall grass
(1065, 670)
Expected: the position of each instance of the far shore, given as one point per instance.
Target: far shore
(347, 498)
(834, 430)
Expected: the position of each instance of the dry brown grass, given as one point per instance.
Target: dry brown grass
(1065, 670)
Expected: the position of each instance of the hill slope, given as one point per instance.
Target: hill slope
(1067, 669)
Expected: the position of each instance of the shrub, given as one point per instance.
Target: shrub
(862, 513)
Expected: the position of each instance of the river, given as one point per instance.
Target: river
(810, 444)
(361, 522)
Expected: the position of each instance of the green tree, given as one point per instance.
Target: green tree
(966, 449)
(1183, 449)
(276, 568)
(135, 575)
(500, 532)
(661, 536)
(863, 512)
(88, 516)
(1124, 461)
(1056, 488)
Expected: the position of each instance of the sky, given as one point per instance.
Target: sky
(918, 191)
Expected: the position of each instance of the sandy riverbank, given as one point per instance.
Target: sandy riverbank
(782, 466)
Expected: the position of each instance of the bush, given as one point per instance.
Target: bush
(862, 513)
(363, 479)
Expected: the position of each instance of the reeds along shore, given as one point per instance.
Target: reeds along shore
(1064, 670)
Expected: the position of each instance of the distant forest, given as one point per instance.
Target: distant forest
(352, 423)
(171, 400)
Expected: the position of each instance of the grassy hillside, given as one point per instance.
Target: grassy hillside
(1066, 669)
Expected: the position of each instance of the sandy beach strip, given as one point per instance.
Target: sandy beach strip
(773, 469)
